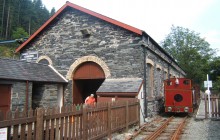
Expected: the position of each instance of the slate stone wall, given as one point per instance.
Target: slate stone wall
(45, 95)
(18, 94)
(64, 43)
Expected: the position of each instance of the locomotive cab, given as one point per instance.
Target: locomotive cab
(178, 94)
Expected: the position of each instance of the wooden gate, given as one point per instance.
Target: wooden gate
(214, 106)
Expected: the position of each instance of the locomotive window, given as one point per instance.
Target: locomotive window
(178, 97)
(186, 82)
(169, 83)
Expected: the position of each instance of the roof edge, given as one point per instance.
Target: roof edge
(110, 20)
(68, 4)
(58, 73)
(41, 28)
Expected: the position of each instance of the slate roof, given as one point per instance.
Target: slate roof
(121, 85)
(26, 71)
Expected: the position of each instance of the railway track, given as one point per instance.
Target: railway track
(160, 129)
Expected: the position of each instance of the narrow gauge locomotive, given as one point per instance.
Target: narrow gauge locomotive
(180, 95)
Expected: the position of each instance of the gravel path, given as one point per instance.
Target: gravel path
(201, 130)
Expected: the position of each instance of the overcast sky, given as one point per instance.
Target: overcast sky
(156, 17)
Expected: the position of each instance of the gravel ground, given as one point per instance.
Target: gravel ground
(194, 130)
(201, 130)
(204, 129)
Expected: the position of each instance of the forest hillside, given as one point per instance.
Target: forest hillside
(18, 20)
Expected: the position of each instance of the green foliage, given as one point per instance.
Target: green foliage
(7, 51)
(215, 73)
(19, 33)
(52, 12)
(190, 51)
(18, 19)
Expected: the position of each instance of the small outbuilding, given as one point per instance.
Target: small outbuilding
(25, 85)
(120, 89)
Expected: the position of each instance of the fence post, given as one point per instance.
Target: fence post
(39, 124)
(138, 113)
(216, 105)
(9, 117)
(218, 108)
(205, 105)
(126, 116)
(85, 123)
(109, 120)
(212, 106)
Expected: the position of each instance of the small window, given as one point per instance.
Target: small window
(44, 61)
(169, 83)
(186, 82)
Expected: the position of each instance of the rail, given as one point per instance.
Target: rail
(155, 134)
(160, 128)
(156, 120)
(178, 130)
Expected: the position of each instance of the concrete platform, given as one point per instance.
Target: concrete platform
(201, 111)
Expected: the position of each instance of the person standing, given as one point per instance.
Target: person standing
(90, 100)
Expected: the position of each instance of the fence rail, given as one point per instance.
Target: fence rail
(72, 122)
(214, 106)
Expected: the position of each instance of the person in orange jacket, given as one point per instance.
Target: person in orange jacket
(90, 100)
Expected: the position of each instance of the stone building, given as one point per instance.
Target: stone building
(25, 85)
(87, 48)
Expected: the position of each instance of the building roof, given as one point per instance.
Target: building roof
(92, 13)
(123, 85)
(71, 5)
(25, 71)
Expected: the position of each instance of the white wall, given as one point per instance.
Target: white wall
(141, 98)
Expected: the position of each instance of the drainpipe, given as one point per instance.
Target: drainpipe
(144, 47)
(169, 71)
(145, 82)
(145, 79)
(169, 65)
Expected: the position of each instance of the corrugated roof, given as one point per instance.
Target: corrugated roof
(22, 70)
(121, 85)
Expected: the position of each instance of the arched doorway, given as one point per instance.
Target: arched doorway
(87, 78)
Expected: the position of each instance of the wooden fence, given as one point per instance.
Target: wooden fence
(72, 122)
(214, 106)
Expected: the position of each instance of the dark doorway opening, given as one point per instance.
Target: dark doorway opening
(37, 95)
(87, 78)
(84, 87)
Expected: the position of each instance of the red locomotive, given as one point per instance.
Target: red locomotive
(180, 95)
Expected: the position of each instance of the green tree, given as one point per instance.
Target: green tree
(17, 18)
(52, 12)
(190, 51)
(28, 14)
(19, 33)
(215, 73)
